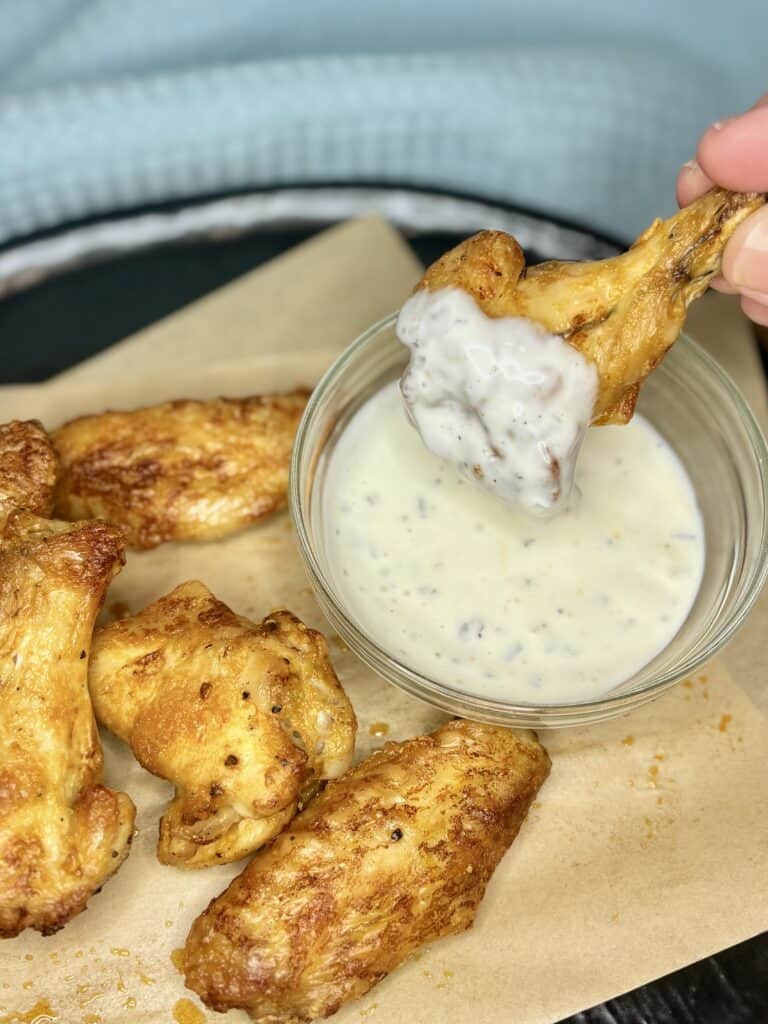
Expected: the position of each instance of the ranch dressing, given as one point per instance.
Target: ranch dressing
(486, 599)
(502, 399)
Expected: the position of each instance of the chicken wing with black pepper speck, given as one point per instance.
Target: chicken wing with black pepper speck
(62, 833)
(393, 855)
(245, 719)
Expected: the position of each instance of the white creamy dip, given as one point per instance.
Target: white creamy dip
(488, 600)
(502, 399)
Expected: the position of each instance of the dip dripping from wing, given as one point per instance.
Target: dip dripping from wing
(501, 399)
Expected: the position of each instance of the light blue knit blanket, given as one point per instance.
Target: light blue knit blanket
(583, 110)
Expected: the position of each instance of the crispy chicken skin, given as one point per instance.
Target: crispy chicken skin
(184, 470)
(622, 314)
(62, 833)
(28, 467)
(395, 854)
(244, 719)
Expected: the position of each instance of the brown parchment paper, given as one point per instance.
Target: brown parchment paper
(647, 848)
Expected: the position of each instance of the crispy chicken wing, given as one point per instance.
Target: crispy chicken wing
(623, 313)
(28, 467)
(184, 470)
(244, 719)
(395, 854)
(62, 833)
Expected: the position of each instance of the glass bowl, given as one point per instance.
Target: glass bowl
(691, 402)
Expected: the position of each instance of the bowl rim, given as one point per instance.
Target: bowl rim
(449, 698)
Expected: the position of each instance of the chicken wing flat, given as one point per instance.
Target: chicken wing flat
(244, 719)
(28, 467)
(62, 833)
(184, 470)
(395, 854)
(622, 314)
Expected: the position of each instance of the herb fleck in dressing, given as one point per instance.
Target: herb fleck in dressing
(482, 597)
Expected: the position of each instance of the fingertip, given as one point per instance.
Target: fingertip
(692, 182)
(745, 259)
(734, 153)
(711, 147)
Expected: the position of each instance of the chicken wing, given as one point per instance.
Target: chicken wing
(62, 833)
(28, 467)
(395, 854)
(184, 470)
(244, 719)
(622, 314)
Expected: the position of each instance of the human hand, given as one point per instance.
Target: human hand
(734, 154)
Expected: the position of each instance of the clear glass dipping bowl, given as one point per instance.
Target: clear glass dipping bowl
(693, 404)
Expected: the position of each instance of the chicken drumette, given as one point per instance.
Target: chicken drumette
(62, 833)
(395, 854)
(245, 719)
(622, 314)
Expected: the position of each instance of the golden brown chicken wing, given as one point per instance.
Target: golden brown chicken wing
(62, 833)
(244, 719)
(185, 470)
(28, 467)
(395, 854)
(622, 314)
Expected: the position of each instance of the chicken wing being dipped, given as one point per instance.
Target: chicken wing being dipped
(487, 361)
(622, 313)
(28, 467)
(62, 833)
(395, 854)
(183, 470)
(246, 720)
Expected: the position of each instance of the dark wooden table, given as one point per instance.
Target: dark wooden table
(63, 320)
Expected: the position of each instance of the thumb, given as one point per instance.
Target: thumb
(734, 153)
(745, 261)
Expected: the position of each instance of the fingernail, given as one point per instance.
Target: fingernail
(692, 166)
(750, 265)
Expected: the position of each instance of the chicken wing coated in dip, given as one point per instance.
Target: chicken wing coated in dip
(183, 470)
(509, 365)
(393, 855)
(62, 833)
(245, 719)
(623, 313)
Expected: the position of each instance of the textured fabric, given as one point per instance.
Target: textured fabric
(584, 111)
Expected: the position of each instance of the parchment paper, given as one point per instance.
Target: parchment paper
(647, 848)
